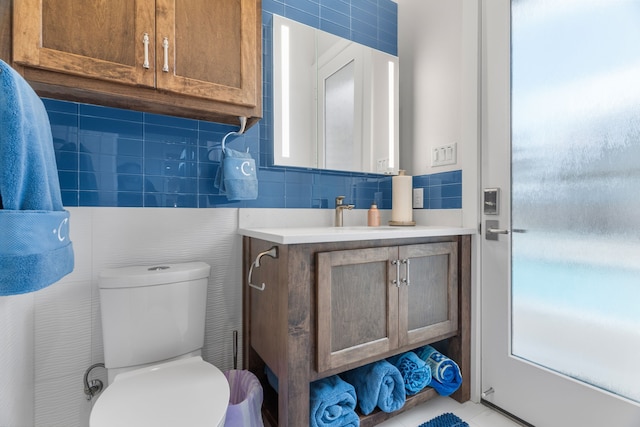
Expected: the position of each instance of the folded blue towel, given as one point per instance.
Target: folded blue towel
(377, 384)
(445, 372)
(236, 177)
(332, 403)
(36, 250)
(415, 371)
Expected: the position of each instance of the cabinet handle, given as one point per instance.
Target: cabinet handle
(165, 48)
(397, 279)
(406, 280)
(145, 41)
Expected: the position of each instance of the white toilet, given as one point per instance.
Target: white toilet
(153, 332)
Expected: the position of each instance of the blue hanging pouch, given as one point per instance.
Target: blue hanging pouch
(236, 177)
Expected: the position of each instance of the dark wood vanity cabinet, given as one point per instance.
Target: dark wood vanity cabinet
(330, 307)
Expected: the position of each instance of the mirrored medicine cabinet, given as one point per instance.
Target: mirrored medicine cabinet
(335, 102)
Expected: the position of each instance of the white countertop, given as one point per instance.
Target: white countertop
(296, 235)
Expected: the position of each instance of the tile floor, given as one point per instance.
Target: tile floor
(476, 415)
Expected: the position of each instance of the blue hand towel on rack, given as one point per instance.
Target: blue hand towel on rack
(377, 384)
(35, 249)
(415, 371)
(332, 403)
(445, 372)
(236, 177)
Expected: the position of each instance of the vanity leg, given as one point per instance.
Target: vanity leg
(294, 402)
(460, 345)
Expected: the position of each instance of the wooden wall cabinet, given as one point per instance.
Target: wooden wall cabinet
(193, 58)
(330, 307)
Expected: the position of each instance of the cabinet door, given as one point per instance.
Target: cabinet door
(90, 38)
(357, 305)
(211, 49)
(428, 299)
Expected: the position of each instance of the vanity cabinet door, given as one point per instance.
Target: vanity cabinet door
(428, 296)
(376, 300)
(357, 305)
(97, 39)
(211, 49)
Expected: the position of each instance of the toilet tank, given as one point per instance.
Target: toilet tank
(152, 313)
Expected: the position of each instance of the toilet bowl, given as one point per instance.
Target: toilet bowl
(186, 392)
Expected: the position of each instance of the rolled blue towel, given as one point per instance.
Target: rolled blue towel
(332, 403)
(35, 248)
(377, 384)
(445, 372)
(415, 371)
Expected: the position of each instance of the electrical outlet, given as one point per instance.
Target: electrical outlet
(444, 155)
(418, 198)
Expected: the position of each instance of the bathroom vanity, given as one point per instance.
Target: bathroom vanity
(333, 299)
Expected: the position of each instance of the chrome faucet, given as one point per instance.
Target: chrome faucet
(339, 208)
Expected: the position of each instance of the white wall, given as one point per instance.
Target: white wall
(439, 57)
(429, 41)
(50, 337)
(438, 52)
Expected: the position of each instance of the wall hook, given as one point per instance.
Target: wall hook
(273, 253)
(243, 126)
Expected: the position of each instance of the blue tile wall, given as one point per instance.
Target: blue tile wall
(441, 190)
(114, 157)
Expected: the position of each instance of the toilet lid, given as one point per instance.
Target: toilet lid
(186, 392)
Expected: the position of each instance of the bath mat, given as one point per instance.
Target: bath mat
(445, 420)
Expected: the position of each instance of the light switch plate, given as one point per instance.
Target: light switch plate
(444, 155)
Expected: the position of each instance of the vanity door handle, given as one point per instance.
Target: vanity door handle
(407, 279)
(396, 282)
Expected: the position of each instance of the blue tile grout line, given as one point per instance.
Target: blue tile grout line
(114, 157)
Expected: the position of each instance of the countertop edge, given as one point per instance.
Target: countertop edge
(301, 235)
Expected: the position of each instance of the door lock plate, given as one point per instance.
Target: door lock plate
(490, 203)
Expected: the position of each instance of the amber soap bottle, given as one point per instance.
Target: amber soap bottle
(373, 216)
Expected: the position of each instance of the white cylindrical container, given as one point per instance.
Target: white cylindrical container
(401, 203)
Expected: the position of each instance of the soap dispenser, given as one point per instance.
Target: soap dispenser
(373, 216)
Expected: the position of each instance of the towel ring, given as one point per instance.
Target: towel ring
(243, 125)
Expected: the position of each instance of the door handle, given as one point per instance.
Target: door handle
(492, 230)
(497, 231)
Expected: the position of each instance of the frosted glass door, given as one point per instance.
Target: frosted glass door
(575, 190)
(560, 341)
